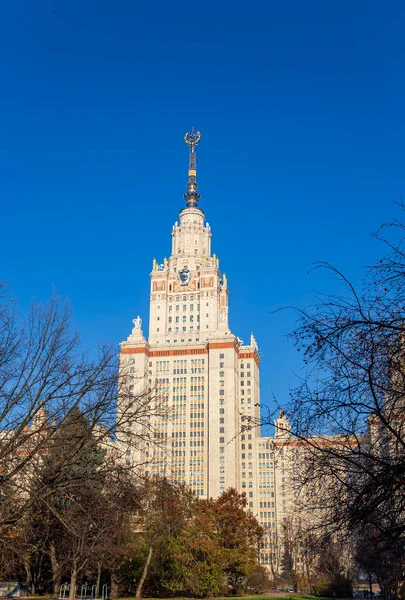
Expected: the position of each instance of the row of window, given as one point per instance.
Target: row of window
(177, 329)
(267, 515)
(183, 319)
(189, 339)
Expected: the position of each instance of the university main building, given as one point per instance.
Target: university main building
(205, 377)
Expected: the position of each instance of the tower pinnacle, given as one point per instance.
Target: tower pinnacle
(192, 197)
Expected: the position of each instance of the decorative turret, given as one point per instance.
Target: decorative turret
(192, 197)
(282, 426)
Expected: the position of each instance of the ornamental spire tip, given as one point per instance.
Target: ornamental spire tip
(192, 197)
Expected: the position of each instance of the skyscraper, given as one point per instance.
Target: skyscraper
(200, 372)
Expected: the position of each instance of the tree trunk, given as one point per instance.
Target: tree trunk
(55, 569)
(30, 581)
(144, 574)
(98, 582)
(114, 586)
(73, 579)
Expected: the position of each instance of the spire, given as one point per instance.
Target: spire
(192, 197)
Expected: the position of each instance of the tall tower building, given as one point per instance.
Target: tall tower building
(195, 367)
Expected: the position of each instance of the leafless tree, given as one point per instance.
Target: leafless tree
(44, 375)
(349, 411)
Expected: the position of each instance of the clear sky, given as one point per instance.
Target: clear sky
(301, 109)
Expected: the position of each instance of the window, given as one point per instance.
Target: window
(222, 356)
(221, 373)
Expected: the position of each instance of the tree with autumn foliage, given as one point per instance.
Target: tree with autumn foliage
(192, 546)
(237, 534)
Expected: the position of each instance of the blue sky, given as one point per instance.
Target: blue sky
(301, 108)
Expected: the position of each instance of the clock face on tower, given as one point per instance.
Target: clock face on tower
(184, 277)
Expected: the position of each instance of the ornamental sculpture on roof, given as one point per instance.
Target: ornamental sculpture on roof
(192, 138)
(192, 197)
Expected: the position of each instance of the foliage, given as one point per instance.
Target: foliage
(238, 535)
(257, 580)
(200, 547)
(66, 495)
